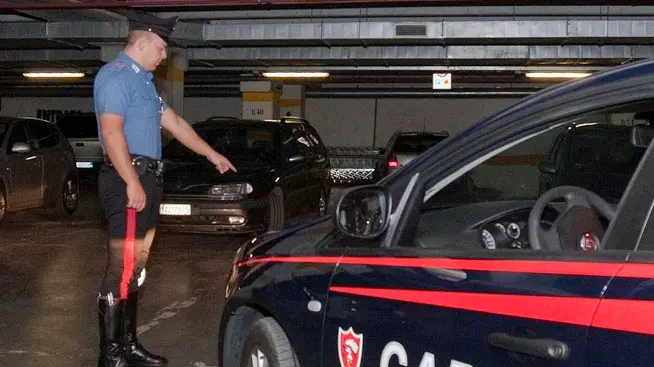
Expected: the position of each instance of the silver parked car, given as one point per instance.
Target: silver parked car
(37, 167)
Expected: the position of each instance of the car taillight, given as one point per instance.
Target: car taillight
(393, 163)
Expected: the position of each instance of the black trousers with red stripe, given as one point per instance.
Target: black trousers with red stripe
(130, 232)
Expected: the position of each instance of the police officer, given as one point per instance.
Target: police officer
(130, 114)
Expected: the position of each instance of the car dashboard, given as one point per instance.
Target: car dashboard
(484, 225)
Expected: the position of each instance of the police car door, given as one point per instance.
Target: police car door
(622, 331)
(464, 287)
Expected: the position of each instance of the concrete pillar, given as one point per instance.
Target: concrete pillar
(169, 79)
(260, 100)
(292, 101)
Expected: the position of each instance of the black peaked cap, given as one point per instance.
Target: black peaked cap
(142, 21)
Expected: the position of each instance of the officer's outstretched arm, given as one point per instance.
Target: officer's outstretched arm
(183, 132)
(186, 135)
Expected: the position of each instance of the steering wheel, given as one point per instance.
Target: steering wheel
(578, 202)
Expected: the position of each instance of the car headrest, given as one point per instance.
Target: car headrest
(641, 135)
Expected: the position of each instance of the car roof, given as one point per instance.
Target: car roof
(431, 133)
(235, 121)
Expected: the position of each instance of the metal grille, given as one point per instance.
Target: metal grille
(414, 30)
(351, 176)
(353, 165)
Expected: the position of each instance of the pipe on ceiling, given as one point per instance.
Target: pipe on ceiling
(107, 4)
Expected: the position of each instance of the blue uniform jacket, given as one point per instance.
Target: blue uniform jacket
(124, 87)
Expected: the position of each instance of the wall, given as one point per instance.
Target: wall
(340, 121)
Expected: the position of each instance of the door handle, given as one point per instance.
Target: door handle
(542, 348)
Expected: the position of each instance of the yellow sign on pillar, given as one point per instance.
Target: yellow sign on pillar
(292, 101)
(260, 100)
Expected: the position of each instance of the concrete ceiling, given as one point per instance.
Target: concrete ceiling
(366, 49)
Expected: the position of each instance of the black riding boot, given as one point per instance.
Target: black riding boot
(136, 354)
(110, 316)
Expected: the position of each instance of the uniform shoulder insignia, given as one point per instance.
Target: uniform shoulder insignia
(118, 66)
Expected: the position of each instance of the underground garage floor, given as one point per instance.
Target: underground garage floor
(50, 271)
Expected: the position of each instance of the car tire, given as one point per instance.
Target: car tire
(68, 196)
(275, 210)
(266, 341)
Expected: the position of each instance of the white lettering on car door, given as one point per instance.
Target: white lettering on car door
(394, 348)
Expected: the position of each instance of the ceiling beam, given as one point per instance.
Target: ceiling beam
(553, 32)
(407, 55)
(272, 4)
(417, 54)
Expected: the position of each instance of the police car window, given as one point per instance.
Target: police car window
(488, 207)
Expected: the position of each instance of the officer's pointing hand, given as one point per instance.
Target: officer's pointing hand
(221, 162)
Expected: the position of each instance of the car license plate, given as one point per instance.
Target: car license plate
(84, 164)
(175, 209)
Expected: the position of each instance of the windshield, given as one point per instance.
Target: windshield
(417, 143)
(238, 143)
(78, 126)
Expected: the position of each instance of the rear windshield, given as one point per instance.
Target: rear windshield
(78, 126)
(604, 151)
(416, 143)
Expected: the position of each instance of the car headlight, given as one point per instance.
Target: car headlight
(230, 190)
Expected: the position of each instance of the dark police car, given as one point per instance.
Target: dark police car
(420, 270)
(282, 175)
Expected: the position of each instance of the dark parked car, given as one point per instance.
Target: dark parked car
(37, 167)
(403, 147)
(598, 157)
(283, 171)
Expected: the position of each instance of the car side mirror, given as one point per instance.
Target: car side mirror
(363, 212)
(547, 167)
(21, 148)
(297, 158)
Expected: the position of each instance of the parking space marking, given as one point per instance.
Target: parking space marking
(166, 313)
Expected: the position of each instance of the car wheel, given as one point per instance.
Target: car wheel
(275, 210)
(67, 202)
(266, 345)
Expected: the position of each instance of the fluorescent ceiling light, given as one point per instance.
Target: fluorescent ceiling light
(556, 75)
(297, 74)
(53, 75)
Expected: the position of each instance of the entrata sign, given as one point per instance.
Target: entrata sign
(442, 81)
